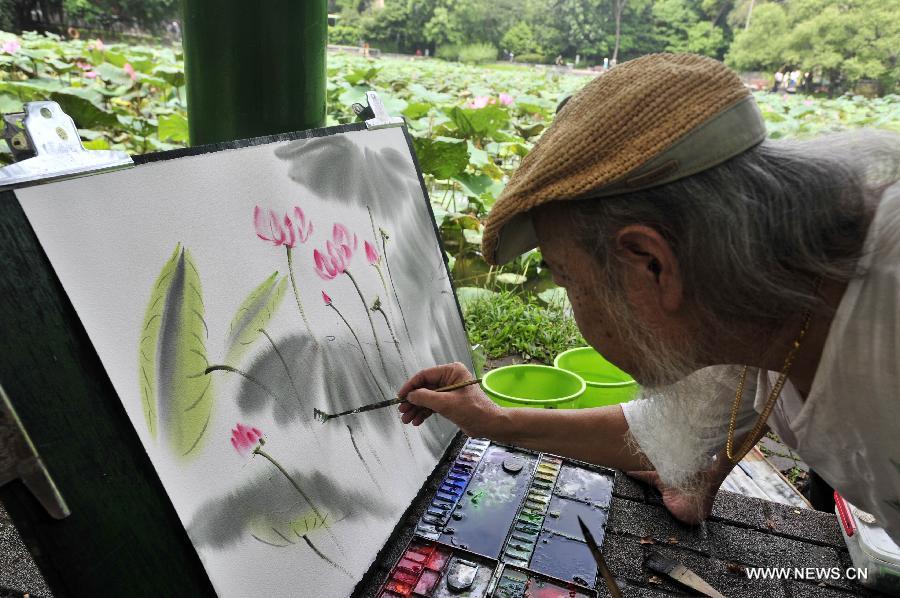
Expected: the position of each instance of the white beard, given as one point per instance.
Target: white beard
(680, 427)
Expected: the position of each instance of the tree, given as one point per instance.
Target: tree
(845, 40)
(619, 7)
(519, 39)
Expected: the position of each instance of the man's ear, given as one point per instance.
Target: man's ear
(652, 269)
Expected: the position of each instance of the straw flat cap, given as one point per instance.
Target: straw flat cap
(646, 122)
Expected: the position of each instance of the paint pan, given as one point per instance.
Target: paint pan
(452, 487)
(519, 583)
(565, 558)
(585, 485)
(562, 518)
(430, 570)
(482, 519)
(530, 520)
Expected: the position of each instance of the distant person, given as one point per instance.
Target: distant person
(559, 60)
(779, 77)
(792, 81)
(418, 51)
(365, 50)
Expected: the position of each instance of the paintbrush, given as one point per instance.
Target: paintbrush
(324, 417)
(601, 562)
(677, 571)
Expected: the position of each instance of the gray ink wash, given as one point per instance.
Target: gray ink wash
(269, 499)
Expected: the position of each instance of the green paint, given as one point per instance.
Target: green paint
(252, 316)
(184, 394)
(149, 338)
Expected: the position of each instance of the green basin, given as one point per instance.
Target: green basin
(606, 384)
(530, 385)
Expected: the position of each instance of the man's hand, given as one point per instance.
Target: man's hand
(469, 408)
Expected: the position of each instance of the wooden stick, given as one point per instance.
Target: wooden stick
(601, 562)
(395, 401)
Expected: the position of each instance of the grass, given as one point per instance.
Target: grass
(507, 324)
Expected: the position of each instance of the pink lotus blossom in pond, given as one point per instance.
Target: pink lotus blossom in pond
(11, 46)
(129, 70)
(245, 438)
(343, 241)
(372, 255)
(326, 298)
(96, 44)
(479, 102)
(90, 74)
(330, 264)
(506, 99)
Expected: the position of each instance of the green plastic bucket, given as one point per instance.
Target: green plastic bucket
(606, 384)
(530, 385)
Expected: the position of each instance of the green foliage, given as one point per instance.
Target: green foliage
(345, 35)
(843, 41)
(506, 324)
(447, 52)
(121, 97)
(519, 39)
(149, 14)
(477, 53)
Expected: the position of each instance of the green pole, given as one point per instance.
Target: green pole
(254, 68)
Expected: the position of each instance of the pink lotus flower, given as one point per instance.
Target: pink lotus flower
(90, 75)
(11, 46)
(282, 231)
(326, 298)
(96, 44)
(269, 227)
(304, 228)
(506, 99)
(331, 264)
(479, 102)
(372, 255)
(244, 438)
(341, 237)
(129, 70)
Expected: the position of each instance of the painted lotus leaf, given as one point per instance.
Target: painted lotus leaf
(253, 316)
(173, 357)
(149, 338)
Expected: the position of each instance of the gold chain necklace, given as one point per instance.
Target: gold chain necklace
(757, 431)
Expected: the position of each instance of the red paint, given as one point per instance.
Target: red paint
(400, 575)
(438, 559)
(427, 582)
(404, 589)
(544, 589)
(410, 566)
(416, 556)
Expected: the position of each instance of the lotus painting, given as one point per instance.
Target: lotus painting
(229, 295)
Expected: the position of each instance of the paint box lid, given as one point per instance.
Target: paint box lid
(871, 548)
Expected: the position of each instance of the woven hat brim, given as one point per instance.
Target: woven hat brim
(727, 134)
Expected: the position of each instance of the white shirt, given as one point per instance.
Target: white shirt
(848, 429)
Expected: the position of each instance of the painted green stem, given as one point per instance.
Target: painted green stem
(287, 370)
(259, 451)
(381, 276)
(377, 307)
(384, 238)
(361, 350)
(371, 323)
(290, 261)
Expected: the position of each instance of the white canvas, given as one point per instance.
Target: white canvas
(179, 272)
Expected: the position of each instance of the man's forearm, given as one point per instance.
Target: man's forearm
(597, 435)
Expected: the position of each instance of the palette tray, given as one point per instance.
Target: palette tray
(506, 519)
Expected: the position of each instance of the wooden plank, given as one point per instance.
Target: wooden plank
(123, 537)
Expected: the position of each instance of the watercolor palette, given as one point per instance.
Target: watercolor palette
(428, 569)
(517, 511)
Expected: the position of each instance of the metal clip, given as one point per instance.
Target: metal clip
(44, 130)
(374, 114)
(19, 459)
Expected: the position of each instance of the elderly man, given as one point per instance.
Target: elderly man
(747, 284)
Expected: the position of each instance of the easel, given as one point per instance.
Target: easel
(74, 476)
